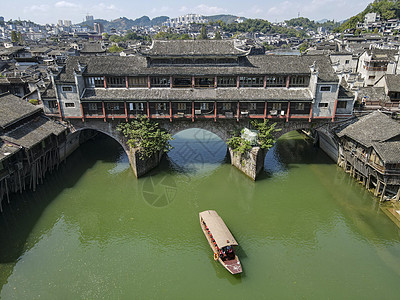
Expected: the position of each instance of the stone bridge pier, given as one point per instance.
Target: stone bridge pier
(250, 164)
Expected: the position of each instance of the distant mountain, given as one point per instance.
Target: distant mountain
(124, 23)
(322, 21)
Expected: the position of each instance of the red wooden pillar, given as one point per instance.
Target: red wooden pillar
(265, 110)
(309, 118)
(126, 112)
(105, 82)
(148, 82)
(288, 112)
(237, 81)
(265, 81)
(215, 82)
(83, 116)
(238, 111)
(104, 112)
(192, 111)
(215, 111)
(287, 81)
(334, 111)
(192, 82)
(148, 110)
(59, 109)
(170, 82)
(170, 111)
(126, 82)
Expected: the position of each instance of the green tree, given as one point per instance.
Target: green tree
(19, 38)
(105, 36)
(115, 48)
(303, 47)
(203, 33)
(265, 138)
(14, 37)
(217, 36)
(145, 136)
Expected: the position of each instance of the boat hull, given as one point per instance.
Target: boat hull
(233, 266)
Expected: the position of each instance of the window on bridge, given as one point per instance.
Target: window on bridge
(137, 81)
(92, 82)
(226, 81)
(204, 82)
(182, 82)
(276, 81)
(251, 81)
(160, 81)
(181, 106)
(115, 82)
(299, 81)
(92, 106)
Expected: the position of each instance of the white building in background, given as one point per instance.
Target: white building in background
(67, 23)
(185, 20)
(371, 18)
(60, 23)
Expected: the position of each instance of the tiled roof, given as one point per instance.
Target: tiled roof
(250, 65)
(382, 54)
(33, 132)
(372, 128)
(388, 151)
(7, 150)
(13, 109)
(393, 82)
(92, 48)
(184, 94)
(372, 94)
(193, 48)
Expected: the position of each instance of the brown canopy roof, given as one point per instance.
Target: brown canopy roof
(221, 234)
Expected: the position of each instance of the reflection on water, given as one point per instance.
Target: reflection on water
(197, 152)
(305, 229)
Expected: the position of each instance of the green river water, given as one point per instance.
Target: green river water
(306, 229)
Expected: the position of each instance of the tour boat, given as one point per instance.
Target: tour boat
(221, 240)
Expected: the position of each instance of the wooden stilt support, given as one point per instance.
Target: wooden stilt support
(368, 181)
(378, 187)
(383, 192)
(397, 198)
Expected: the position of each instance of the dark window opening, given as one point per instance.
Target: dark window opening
(250, 81)
(226, 81)
(341, 104)
(182, 82)
(160, 82)
(115, 82)
(204, 82)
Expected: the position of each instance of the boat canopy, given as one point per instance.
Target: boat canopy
(221, 234)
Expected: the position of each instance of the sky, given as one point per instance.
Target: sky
(50, 11)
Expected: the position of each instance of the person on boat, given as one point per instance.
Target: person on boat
(230, 253)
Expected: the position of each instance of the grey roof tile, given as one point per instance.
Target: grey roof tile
(33, 132)
(372, 128)
(184, 94)
(162, 48)
(13, 109)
